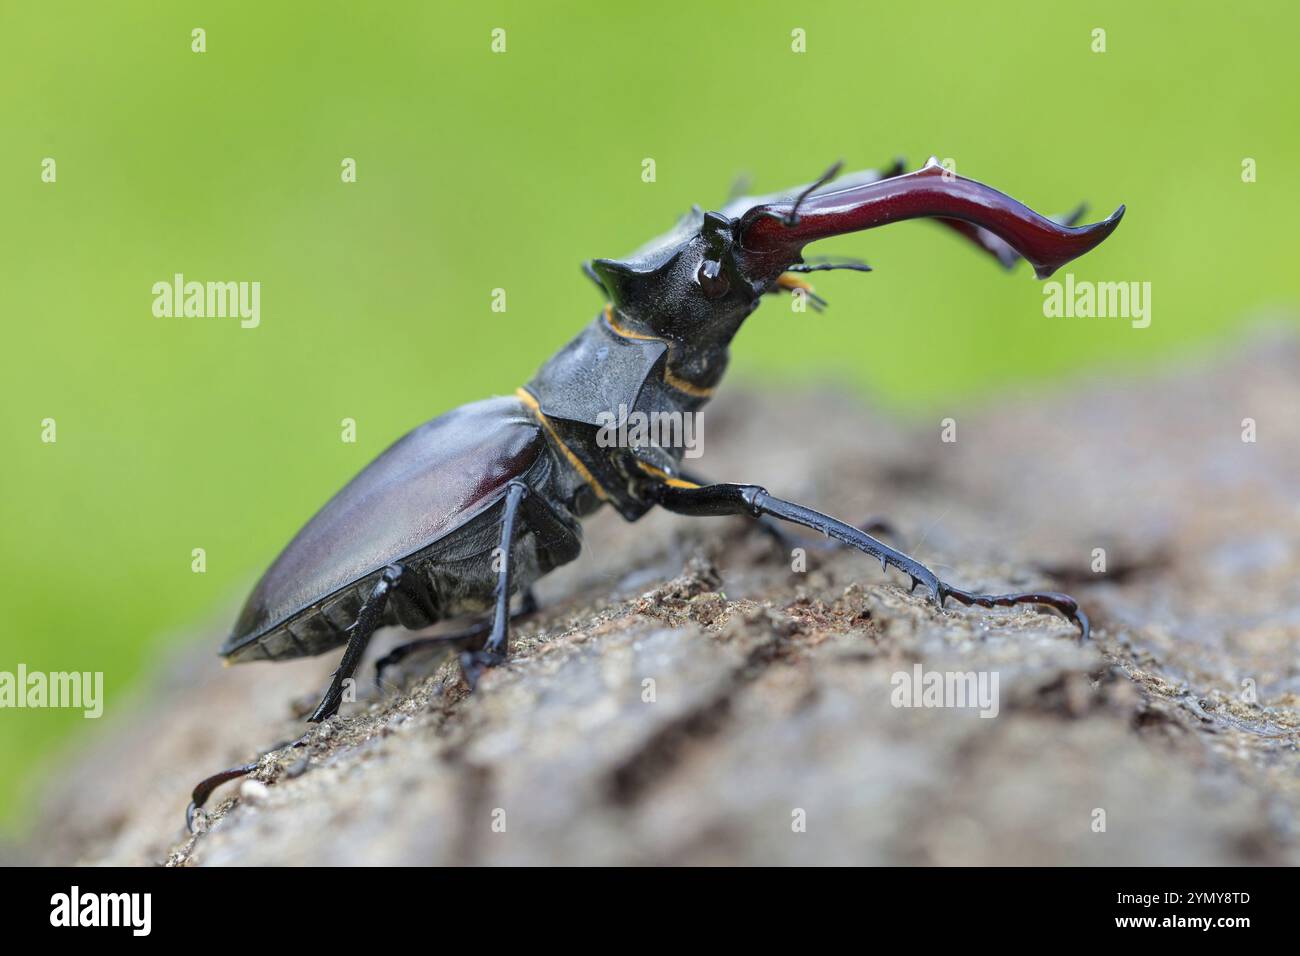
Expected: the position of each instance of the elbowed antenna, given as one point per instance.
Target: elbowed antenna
(784, 228)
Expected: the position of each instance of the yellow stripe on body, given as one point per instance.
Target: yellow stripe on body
(666, 478)
(623, 330)
(583, 471)
(685, 387)
(671, 379)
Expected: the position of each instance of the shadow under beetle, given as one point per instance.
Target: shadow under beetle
(474, 506)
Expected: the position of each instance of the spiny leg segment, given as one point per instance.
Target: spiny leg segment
(754, 501)
(786, 542)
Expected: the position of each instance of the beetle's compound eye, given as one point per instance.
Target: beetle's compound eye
(712, 279)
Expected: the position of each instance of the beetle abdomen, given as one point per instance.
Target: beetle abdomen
(433, 480)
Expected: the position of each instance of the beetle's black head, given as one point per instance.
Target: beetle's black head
(686, 285)
(697, 284)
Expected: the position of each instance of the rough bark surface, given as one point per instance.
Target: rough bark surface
(772, 688)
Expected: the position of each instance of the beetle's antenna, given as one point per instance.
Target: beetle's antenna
(792, 218)
(826, 264)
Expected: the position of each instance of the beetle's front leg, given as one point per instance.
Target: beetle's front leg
(787, 542)
(729, 499)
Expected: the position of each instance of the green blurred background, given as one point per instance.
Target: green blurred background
(479, 170)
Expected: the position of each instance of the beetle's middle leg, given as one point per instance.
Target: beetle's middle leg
(729, 499)
(399, 653)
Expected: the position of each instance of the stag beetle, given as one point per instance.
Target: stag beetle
(474, 506)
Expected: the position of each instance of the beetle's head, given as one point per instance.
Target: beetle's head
(697, 284)
(686, 286)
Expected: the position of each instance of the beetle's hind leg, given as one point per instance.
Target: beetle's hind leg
(205, 787)
(363, 628)
(369, 617)
(728, 499)
(528, 605)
